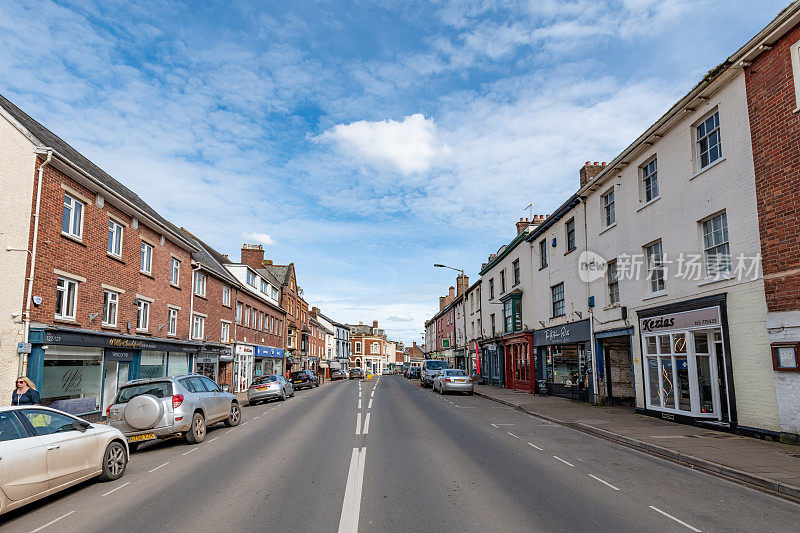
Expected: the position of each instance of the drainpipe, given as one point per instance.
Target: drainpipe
(23, 360)
(595, 363)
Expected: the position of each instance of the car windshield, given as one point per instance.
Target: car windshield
(455, 373)
(435, 365)
(159, 389)
(266, 379)
(299, 374)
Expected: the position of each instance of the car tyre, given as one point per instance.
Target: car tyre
(234, 416)
(133, 446)
(197, 431)
(282, 397)
(115, 460)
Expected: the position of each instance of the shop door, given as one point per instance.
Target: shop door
(117, 373)
(710, 372)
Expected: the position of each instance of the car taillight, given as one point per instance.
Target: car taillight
(108, 411)
(448, 380)
(177, 400)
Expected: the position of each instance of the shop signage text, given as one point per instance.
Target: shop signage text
(699, 318)
(573, 332)
(242, 349)
(267, 351)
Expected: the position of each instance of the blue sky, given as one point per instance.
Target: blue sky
(364, 141)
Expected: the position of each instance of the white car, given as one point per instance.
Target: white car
(43, 451)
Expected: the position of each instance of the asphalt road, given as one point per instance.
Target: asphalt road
(386, 456)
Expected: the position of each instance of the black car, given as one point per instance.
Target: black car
(304, 379)
(356, 373)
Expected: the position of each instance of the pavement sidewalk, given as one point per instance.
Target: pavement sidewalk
(767, 465)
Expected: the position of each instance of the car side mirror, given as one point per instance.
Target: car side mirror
(77, 425)
(226, 388)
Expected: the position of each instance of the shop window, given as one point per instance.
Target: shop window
(612, 275)
(609, 210)
(153, 364)
(570, 229)
(143, 315)
(72, 218)
(649, 172)
(66, 298)
(716, 248)
(114, 238)
(146, 258)
(542, 254)
(110, 305)
(177, 363)
(708, 141)
(558, 299)
(175, 272)
(172, 323)
(72, 372)
(655, 267)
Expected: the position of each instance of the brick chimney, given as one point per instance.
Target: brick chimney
(442, 302)
(314, 312)
(589, 170)
(522, 225)
(253, 255)
(462, 284)
(451, 295)
(375, 324)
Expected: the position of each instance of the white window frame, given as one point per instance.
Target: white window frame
(74, 227)
(226, 296)
(65, 288)
(239, 312)
(142, 315)
(358, 347)
(608, 201)
(794, 50)
(146, 256)
(574, 232)
(612, 282)
(542, 254)
(644, 175)
(251, 279)
(654, 267)
(264, 287)
(110, 302)
(172, 321)
(247, 311)
(198, 327)
(224, 331)
(698, 139)
(199, 284)
(115, 233)
(716, 268)
(175, 271)
(563, 300)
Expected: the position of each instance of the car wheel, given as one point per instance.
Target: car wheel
(133, 446)
(197, 432)
(235, 415)
(114, 462)
(282, 397)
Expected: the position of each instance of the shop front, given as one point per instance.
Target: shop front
(243, 362)
(210, 360)
(492, 364)
(519, 361)
(80, 371)
(686, 361)
(615, 366)
(267, 361)
(563, 368)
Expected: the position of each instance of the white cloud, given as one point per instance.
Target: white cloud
(409, 146)
(262, 238)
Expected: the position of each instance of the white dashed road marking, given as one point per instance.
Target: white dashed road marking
(563, 461)
(52, 522)
(351, 506)
(535, 446)
(358, 423)
(192, 450)
(603, 482)
(116, 489)
(156, 468)
(681, 522)
(366, 424)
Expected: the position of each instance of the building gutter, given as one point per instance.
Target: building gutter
(23, 360)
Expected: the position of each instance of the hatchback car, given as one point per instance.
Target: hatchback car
(336, 374)
(157, 408)
(43, 451)
(356, 373)
(453, 380)
(269, 388)
(304, 379)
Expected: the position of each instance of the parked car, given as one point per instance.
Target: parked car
(157, 408)
(412, 373)
(269, 388)
(356, 373)
(430, 367)
(43, 451)
(386, 372)
(345, 373)
(453, 380)
(304, 379)
(336, 374)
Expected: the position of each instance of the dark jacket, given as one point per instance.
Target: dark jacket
(29, 397)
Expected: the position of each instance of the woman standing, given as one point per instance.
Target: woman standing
(25, 393)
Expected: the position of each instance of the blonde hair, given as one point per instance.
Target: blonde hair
(27, 380)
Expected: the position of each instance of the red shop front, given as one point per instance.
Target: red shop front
(518, 348)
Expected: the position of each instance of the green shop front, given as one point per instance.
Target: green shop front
(80, 371)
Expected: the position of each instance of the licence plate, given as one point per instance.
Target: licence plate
(261, 388)
(461, 381)
(144, 436)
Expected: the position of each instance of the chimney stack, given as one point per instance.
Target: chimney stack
(462, 284)
(375, 324)
(314, 311)
(451, 294)
(253, 255)
(522, 225)
(442, 302)
(589, 170)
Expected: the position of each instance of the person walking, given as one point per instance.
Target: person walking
(25, 393)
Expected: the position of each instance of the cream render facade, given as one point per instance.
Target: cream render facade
(17, 167)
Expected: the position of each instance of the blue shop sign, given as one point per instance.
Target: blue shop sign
(266, 351)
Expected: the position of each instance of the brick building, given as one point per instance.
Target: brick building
(772, 79)
(296, 310)
(368, 346)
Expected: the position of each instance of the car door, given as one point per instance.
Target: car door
(23, 462)
(203, 396)
(218, 400)
(71, 454)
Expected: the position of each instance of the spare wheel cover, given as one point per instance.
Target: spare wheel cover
(144, 412)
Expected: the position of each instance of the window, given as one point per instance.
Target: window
(224, 332)
(494, 329)
(11, 427)
(226, 295)
(146, 259)
(558, 299)
(198, 327)
(66, 298)
(251, 279)
(609, 214)
(110, 306)
(264, 287)
(172, 322)
(260, 321)
(503, 281)
(491, 289)
(570, 227)
(72, 219)
(358, 347)
(49, 422)
(175, 272)
(200, 284)
(655, 267)
(238, 312)
(512, 315)
(715, 246)
(650, 181)
(274, 293)
(542, 254)
(515, 268)
(115, 238)
(709, 144)
(613, 282)
(143, 315)
(247, 316)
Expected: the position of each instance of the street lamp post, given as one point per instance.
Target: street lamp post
(464, 314)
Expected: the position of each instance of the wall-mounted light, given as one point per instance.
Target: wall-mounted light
(92, 316)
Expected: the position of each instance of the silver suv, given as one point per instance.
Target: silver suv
(157, 408)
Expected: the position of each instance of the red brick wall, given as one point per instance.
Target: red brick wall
(251, 333)
(211, 305)
(775, 132)
(445, 330)
(89, 259)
